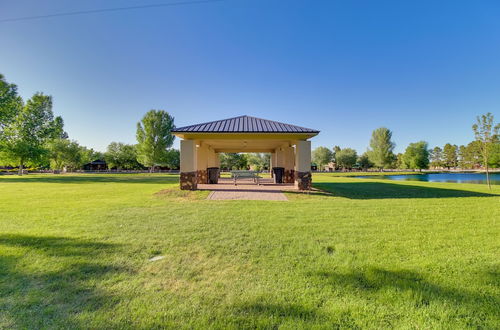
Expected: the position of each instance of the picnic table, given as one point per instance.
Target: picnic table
(240, 174)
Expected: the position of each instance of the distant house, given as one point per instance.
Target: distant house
(330, 167)
(96, 165)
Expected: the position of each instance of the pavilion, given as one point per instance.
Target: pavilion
(202, 143)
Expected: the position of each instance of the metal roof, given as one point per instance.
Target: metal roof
(244, 124)
(97, 162)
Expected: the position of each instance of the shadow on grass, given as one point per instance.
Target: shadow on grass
(379, 190)
(275, 311)
(415, 290)
(92, 178)
(34, 297)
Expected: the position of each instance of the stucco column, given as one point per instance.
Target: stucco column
(303, 176)
(212, 158)
(212, 161)
(289, 164)
(273, 162)
(202, 162)
(188, 180)
(217, 160)
(285, 157)
(280, 157)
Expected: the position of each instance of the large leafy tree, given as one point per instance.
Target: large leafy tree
(122, 156)
(461, 157)
(399, 161)
(486, 133)
(335, 150)
(321, 156)
(346, 158)
(450, 155)
(416, 156)
(233, 161)
(494, 158)
(58, 153)
(25, 137)
(469, 156)
(154, 138)
(89, 155)
(10, 103)
(381, 148)
(67, 154)
(173, 159)
(436, 157)
(259, 161)
(364, 162)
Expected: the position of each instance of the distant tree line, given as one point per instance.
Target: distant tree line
(31, 136)
(243, 161)
(483, 152)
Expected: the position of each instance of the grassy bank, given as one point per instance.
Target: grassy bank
(75, 250)
(371, 173)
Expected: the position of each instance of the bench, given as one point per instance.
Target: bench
(235, 175)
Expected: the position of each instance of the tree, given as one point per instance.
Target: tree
(259, 161)
(322, 156)
(334, 156)
(57, 153)
(10, 103)
(364, 162)
(462, 157)
(172, 159)
(233, 161)
(25, 137)
(436, 157)
(89, 155)
(64, 153)
(381, 148)
(122, 156)
(450, 155)
(399, 162)
(469, 156)
(346, 158)
(486, 134)
(154, 138)
(416, 156)
(494, 158)
(74, 156)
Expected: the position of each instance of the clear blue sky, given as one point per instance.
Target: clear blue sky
(424, 69)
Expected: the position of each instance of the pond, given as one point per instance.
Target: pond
(440, 177)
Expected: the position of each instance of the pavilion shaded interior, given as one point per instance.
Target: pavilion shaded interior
(288, 144)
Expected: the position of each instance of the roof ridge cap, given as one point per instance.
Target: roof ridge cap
(278, 122)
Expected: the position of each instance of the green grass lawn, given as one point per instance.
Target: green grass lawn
(366, 253)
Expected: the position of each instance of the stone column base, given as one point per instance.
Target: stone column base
(303, 180)
(188, 181)
(289, 176)
(202, 176)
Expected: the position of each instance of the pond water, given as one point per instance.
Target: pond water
(440, 177)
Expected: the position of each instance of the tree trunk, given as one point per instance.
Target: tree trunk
(488, 176)
(20, 168)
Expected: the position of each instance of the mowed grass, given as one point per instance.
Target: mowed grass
(364, 253)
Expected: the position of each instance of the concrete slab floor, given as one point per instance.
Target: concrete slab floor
(247, 190)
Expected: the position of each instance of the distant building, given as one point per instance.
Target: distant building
(96, 165)
(330, 167)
